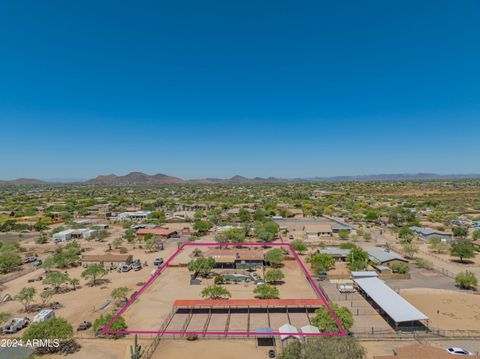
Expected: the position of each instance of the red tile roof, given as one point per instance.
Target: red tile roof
(259, 303)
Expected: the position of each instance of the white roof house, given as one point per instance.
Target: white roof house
(383, 255)
(395, 306)
(44, 315)
(63, 235)
(289, 331)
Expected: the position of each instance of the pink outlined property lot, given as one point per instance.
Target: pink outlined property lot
(312, 282)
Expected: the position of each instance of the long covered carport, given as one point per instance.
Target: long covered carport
(400, 313)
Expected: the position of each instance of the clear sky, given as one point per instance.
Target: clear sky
(257, 88)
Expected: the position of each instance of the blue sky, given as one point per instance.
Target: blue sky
(218, 88)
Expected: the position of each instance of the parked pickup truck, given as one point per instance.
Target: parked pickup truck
(15, 325)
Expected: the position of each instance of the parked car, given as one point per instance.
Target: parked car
(84, 326)
(38, 262)
(30, 259)
(158, 262)
(15, 325)
(126, 268)
(458, 351)
(137, 266)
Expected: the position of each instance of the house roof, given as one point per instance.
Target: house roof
(425, 231)
(383, 255)
(392, 303)
(157, 231)
(106, 258)
(336, 252)
(317, 228)
(234, 254)
(290, 329)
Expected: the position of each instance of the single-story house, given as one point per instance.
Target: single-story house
(109, 260)
(384, 256)
(236, 258)
(338, 254)
(426, 232)
(318, 230)
(164, 232)
(133, 215)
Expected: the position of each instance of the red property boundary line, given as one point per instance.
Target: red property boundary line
(340, 333)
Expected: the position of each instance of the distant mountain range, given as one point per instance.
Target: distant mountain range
(134, 178)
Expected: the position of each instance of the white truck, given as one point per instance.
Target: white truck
(15, 325)
(44, 315)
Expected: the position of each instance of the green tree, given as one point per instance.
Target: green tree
(202, 227)
(357, 259)
(466, 280)
(343, 234)
(234, 235)
(275, 257)
(399, 267)
(129, 235)
(40, 226)
(324, 348)
(325, 322)
(423, 263)
(460, 232)
(437, 245)
(243, 215)
(322, 262)
(25, 296)
(8, 261)
(215, 292)
(406, 234)
(74, 282)
(462, 248)
(56, 279)
(299, 246)
(201, 266)
(55, 328)
(117, 325)
(117, 243)
(476, 235)
(409, 249)
(120, 294)
(266, 291)
(274, 275)
(158, 215)
(94, 272)
(45, 296)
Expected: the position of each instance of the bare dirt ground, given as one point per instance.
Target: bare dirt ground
(456, 310)
(210, 349)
